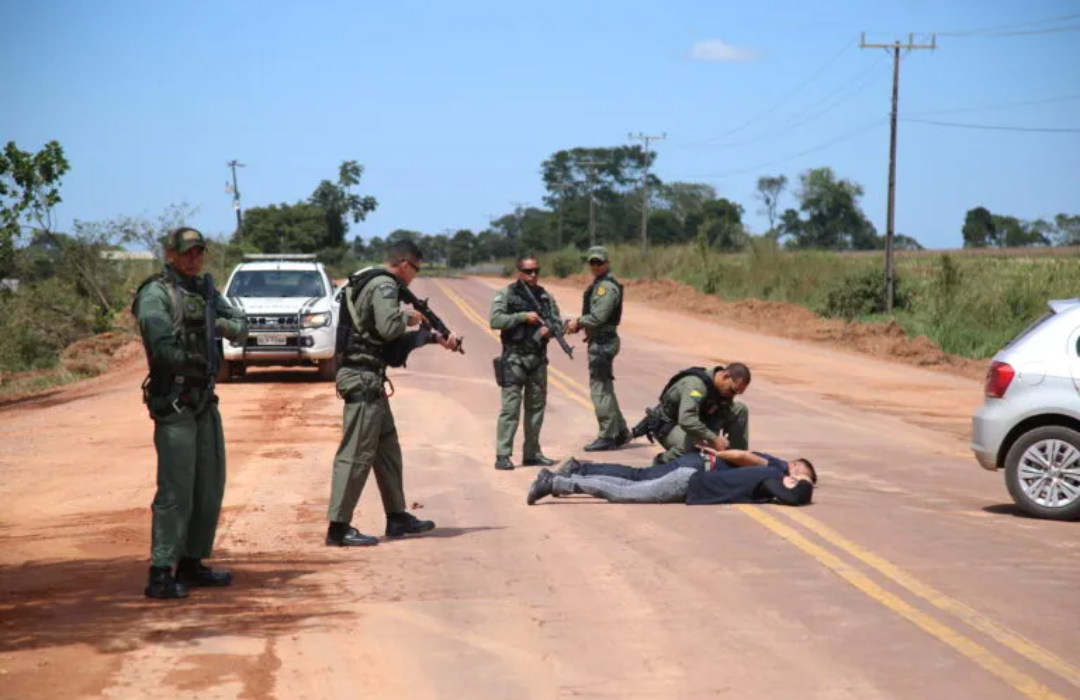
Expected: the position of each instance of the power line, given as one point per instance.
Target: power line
(986, 108)
(860, 81)
(992, 127)
(771, 108)
(877, 121)
(1008, 27)
(1029, 32)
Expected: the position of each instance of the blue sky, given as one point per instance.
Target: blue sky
(451, 107)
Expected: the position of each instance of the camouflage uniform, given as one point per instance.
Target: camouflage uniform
(179, 394)
(698, 419)
(524, 367)
(601, 314)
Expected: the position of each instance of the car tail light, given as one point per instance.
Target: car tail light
(998, 379)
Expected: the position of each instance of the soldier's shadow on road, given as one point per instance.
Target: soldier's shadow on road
(99, 602)
(442, 533)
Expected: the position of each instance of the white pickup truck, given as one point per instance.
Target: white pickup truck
(291, 315)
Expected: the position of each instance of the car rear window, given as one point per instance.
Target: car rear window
(277, 283)
(1027, 331)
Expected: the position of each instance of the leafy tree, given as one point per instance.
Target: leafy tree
(1067, 229)
(834, 220)
(1014, 233)
(769, 191)
(462, 248)
(29, 189)
(665, 227)
(285, 228)
(902, 242)
(979, 231)
(682, 199)
(339, 202)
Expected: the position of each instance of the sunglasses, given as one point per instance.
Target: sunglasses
(529, 270)
(597, 263)
(413, 265)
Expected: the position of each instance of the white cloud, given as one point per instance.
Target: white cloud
(721, 51)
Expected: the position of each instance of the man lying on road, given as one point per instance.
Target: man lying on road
(724, 476)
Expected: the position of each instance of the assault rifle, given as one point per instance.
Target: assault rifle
(555, 328)
(433, 319)
(213, 356)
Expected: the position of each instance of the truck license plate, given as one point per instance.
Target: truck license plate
(270, 340)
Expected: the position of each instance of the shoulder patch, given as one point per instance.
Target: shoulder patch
(696, 395)
(388, 291)
(601, 290)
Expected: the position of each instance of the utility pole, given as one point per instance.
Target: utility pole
(591, 165)
(645, 191)
(233, 164)
(561, 187)
(890, 230)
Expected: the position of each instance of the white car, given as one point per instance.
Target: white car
(291, 314)
(1029, 424)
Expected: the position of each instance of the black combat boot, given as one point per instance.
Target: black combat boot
(404, 523)
(623, 437)
(344, 535)
(162, 585)
(541, 486)
(538, 460)
(503, 463)
(602, 444)
(193, 574)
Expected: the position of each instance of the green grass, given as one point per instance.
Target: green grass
(969, 305)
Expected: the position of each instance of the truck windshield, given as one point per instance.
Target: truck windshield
(277, 283)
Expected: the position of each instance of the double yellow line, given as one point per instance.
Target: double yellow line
(978, 653)
(561, 381)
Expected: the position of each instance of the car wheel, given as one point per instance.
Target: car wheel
(328, 369)
(1042, 471)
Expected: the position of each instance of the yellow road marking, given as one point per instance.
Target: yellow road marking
(1025, 647)
(974, 651)
(472, 315)
(966, 646)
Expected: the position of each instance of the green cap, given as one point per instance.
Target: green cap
(597, 252)
(184, 239)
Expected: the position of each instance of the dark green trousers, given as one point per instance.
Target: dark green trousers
(602, 387)
(529, 376)
(190, 484)
(369, 438)
(734, 423)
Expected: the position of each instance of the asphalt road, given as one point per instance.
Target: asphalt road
(910, 576)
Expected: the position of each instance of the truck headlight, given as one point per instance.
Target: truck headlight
(316, 320)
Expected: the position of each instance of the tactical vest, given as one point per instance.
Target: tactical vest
(187, 308)
(358, 343)
(713, 398)
(522, 336)
(586, 306)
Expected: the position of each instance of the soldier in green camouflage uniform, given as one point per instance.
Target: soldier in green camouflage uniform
(522, 368)
(702, 408)
(600, 316)
(188, 436)
(369, 435)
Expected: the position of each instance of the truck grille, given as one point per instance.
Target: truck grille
(278, 322)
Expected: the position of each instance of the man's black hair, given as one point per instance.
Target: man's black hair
(523, 258)
(810, 467)
(738, 371)
(403, 250)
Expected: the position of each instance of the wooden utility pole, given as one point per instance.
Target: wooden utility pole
(645, 191)
(233, 164)
(890, 226)
(591, 165)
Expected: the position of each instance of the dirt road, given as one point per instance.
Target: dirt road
(910, 576)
